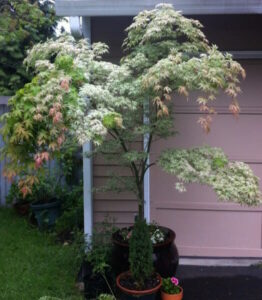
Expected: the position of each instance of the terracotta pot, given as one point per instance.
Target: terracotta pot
(128, 294)
(165, 296)
(165, 255)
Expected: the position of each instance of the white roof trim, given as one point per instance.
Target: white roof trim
(132, 7)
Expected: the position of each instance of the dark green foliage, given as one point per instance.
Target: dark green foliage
(140, 253)
(47, 189)
(100, 248)
(23, 23)
(72, 217)
(99, 276)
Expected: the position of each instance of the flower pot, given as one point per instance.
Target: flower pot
(128, 294)
(46, 213)
(165, 255)
(22, 208)
(165, 296)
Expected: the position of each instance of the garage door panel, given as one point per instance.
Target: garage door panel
(211, 229)
(240, 138)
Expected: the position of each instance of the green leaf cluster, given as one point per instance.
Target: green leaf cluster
(23, 23)
(169, 287)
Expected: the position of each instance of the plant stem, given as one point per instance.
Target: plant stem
(111, 291)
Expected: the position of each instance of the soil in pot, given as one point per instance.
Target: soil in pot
(130, 291)
(165, 254)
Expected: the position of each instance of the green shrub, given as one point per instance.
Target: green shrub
(72, 217)
(49, 298)
(140, 253)
(106, 297)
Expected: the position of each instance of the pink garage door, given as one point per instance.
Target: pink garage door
(204, 226)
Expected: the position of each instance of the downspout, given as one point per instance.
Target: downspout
(147, 174)
(79, 30)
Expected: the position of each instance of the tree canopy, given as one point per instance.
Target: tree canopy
(23, 23)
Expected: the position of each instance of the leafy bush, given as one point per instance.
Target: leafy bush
(140, 253)
(96, 253)
(49, 298)
(23, 23)
(106, 297)
(72, 217)
(15, 196)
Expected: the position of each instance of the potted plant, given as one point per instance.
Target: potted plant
(170, 289)
(47, 201)
(165, 254)
(140, 282)
(15, 197)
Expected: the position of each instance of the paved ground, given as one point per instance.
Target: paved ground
(221, 283)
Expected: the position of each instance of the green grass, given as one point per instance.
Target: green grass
(31, 265)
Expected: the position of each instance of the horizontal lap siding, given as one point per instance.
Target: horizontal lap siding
(120, 206)
(205, 226)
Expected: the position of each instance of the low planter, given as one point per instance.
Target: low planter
(165, 254)
(22, 208)
(46, 213)
(179, 296)
(129, 294)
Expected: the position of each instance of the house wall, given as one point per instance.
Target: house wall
(121, 206)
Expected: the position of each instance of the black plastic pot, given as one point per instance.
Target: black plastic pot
(46, 213)
(165, 255)
(22, 208)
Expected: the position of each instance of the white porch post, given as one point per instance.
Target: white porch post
(87, 161)
(81, 27)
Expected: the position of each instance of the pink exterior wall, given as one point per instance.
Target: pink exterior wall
(204, 226)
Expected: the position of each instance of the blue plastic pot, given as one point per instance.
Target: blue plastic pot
(46, 213)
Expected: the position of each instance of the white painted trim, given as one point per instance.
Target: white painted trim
(83, 29)
(132, 7)
(233, 262)
(88, 195)
(88, 161)
(147, 174)
(76, 27)
(246, 54)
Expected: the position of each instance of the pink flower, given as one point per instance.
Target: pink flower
(174, 280)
